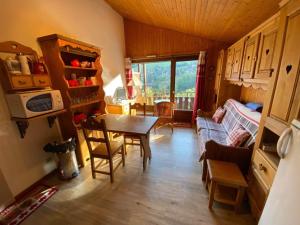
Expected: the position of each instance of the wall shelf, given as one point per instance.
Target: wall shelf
(80, 68)
(84, 86)
(75, 106)
(23, 123)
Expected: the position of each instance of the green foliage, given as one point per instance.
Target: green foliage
(158, 75)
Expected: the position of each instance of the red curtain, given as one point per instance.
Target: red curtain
(128, 78)
(200, 85)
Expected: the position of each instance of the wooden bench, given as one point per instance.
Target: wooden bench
(225, 183)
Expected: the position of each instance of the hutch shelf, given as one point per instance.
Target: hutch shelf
(75, 70)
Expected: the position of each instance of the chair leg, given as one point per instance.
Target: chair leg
(125, 146)
(111, 170)
(93, 167)
(141, 149)
(123, 155)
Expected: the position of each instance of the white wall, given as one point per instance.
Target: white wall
(22, 160)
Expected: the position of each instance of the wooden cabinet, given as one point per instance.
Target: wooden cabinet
(41, 81)
(21, 81)
(251, 60)
(229, 63)
(250, 57)
(257, 195)
(285, 105)
(238, 50)
(266, 53)
(16, 81)
(219, 81)
(263, 170)
(279, 51)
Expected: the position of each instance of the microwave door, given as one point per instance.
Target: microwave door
(39, 104)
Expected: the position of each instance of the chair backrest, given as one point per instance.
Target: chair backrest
(138, 108)
(164, 109)
(89, 126)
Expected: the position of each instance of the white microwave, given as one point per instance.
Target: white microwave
(34, 103)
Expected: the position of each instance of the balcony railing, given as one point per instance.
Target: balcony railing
(181, 102)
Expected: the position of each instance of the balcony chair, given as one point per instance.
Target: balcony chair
(164, 111)
(101, 147)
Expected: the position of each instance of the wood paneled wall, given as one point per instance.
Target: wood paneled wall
(143, 40)
(250, 94)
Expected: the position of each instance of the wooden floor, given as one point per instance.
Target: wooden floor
(169, 192)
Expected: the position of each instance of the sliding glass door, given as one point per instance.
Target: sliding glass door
(172, 80)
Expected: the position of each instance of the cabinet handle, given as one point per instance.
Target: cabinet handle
(21, 82)
(288, 68)
(267, 51)
(42, 81)
(260, 180)
(261, 167)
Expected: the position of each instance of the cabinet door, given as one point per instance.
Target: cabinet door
(266, 53)
(289, 70)
(237, 59)
(219, 70)
(229, 63)
(257, 195)
(219, 77)
(250, 56)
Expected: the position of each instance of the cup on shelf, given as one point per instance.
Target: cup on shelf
(24, 63)
(84, 64)
(94, 80)
(81, 80)
(73, 76)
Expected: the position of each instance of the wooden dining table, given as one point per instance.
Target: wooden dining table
(132, 125)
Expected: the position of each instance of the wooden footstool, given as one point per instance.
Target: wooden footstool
(225, 183)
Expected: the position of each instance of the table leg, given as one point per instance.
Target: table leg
(239, 198)
(211, 193)
(147, 151)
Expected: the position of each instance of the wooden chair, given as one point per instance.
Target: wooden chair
(104, 148)
(164, 111)
(134, 139)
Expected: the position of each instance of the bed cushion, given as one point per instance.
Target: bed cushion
(218, 115)
(237, 136)
(208, 123)
(206, 135)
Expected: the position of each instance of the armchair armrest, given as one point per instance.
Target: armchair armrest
(239, 155)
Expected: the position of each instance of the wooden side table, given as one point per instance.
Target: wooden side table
(225, 183)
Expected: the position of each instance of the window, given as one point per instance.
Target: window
(154, 79)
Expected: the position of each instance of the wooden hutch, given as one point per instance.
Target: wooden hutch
(79, 99)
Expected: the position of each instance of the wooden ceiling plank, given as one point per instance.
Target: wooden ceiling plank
(223, 20)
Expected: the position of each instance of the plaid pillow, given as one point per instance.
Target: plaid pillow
(218, 115)
(237, 136)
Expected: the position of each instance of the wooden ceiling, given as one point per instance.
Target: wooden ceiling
(223, 20)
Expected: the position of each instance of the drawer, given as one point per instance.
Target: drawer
(41, 81)
(263, 170)
(21, 81)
